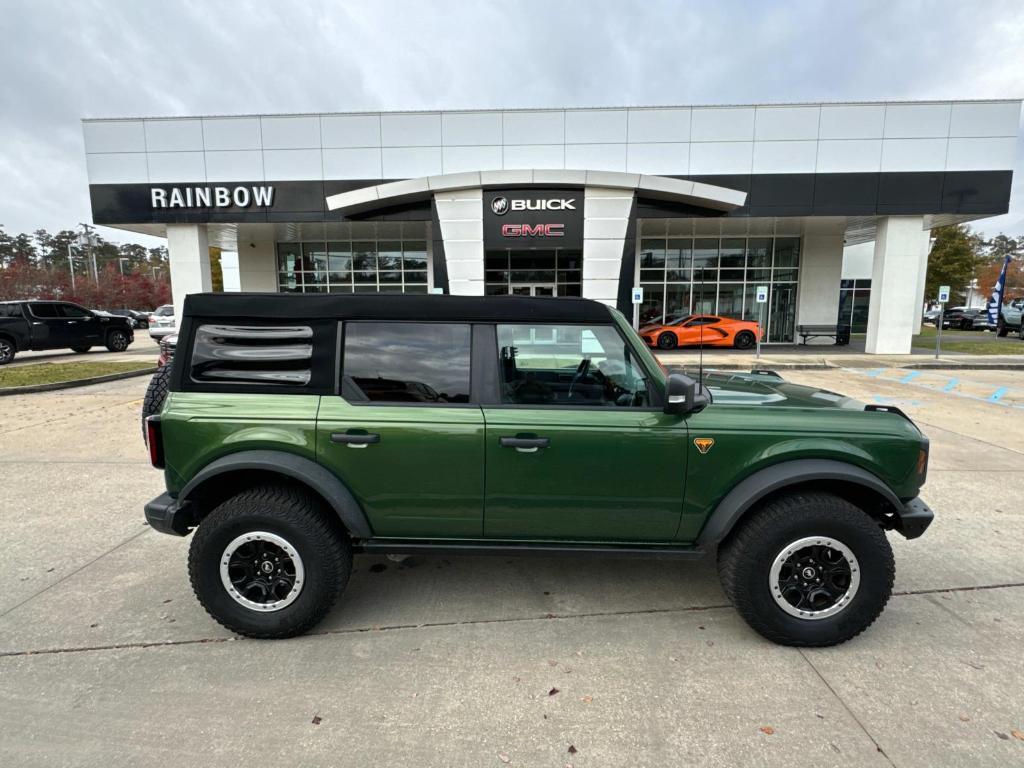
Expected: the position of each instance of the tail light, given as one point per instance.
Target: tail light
(154, 437)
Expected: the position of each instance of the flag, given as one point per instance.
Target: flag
(995, 303)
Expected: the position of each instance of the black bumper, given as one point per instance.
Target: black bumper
(914, 518)
(165, 515)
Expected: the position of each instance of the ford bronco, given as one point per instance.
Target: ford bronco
(298, 430)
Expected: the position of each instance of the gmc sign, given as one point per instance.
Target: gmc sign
(521, 217)
(533, 230)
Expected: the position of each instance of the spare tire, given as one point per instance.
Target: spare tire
(156, 393)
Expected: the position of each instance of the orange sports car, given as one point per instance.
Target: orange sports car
(709, 330)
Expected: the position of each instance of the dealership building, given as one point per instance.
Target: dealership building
(696, 205)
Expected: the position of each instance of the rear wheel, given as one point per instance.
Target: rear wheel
(7, 351)
(268, 563)
(667, 340)
(1001, 329)
(744, 340)
(809, 569)
(117, 341)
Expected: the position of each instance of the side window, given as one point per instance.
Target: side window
(569, 365)
(406, 362)
(10, 310)
(44, 311)
(72, 312)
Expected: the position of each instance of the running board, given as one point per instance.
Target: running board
(476, 547)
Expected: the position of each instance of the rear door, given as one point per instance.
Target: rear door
(402, 432)
(577, 445)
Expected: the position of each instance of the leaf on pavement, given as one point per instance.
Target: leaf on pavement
(572, 749)
(767, 730)
(553, 691)
(317, 719)
(1019, 735)
(503, 757)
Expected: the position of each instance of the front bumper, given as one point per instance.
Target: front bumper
(166, 515)
(914, 518)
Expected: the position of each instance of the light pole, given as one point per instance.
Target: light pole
(71, 266)
(120, 263)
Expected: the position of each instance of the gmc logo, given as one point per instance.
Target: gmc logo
(533, 230)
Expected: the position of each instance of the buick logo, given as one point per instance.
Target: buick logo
(500, 206)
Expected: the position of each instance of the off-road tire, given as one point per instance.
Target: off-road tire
(744, 340)
(293, 515)
(156, 393)
(7, 351)
(81, 350)
(667, 341)
(745, 559)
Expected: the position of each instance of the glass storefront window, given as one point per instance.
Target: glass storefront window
(363, 266)
(720, 276)
(854, 298)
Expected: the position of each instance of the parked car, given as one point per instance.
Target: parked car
(540, 425)
(35, 325)
(708, 330)
(167, 346)
(931, 317)
(139, 319)
(972, 319)
(1009, 318)
(161, 322)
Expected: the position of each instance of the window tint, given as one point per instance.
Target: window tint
(10, 310)
(70, 310)
(406, 362)
(569, 365)
(44, 310)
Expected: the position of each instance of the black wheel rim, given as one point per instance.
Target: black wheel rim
(262, 571)
(118, 341)
(5, 351)
(814, 577)
(666, 341)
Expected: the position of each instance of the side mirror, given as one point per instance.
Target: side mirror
(684, 395)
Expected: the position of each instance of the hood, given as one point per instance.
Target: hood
(768, 388)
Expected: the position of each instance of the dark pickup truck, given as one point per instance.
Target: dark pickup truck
(33, 325)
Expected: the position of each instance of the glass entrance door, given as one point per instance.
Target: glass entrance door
(533, 289)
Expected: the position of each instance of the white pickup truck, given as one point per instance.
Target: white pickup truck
(1009, 318)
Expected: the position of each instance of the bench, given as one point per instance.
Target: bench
(841, 333)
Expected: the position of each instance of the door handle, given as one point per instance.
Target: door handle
(355, 440)
(524, 444)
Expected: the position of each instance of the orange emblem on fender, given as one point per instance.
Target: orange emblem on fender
(703, 443)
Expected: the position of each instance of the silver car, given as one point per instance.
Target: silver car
(162, 322)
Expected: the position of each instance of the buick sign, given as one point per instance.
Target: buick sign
(525, 218)
(500, 206)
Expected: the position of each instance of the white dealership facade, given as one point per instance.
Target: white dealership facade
(698, 205)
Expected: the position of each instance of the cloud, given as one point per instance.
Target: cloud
(64, 61)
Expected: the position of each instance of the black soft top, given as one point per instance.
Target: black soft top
(383, 306)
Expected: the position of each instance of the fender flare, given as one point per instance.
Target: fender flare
(298, 468)
(770, 479)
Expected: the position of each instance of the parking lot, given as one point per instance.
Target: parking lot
(106, 658)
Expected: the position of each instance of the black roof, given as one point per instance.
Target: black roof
(396, 306)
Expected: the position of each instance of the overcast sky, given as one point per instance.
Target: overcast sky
(62, 61)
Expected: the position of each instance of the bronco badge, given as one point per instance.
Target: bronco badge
(703, 443)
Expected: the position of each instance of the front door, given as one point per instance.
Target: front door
(576, 448)
(402, 435)
(533, 289)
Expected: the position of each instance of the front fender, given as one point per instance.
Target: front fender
(773, 478)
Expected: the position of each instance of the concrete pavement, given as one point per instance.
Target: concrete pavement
(106, 658)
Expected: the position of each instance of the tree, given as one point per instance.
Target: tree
(954, 260)
(996, 251)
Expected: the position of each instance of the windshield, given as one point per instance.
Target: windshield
(677, 319)
(167, 310)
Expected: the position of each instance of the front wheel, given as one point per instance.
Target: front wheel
(269, 563)
(7, 351)
(1001, 329)
(744, 340)
(117, 341)
(667, 341)
(809, 569)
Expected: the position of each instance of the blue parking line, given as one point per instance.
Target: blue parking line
(910, 377)
(995, 396)
(950, 385)
(875, 372)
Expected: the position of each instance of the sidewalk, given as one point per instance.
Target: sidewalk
(827, 357)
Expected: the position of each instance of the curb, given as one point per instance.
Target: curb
(72, 384)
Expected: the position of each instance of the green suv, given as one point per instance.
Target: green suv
(299, 430)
